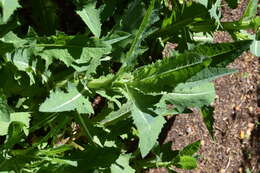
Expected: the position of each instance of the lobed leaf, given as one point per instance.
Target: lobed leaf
(190, 149)
(186, 162)
(148, 124)
(5, 110)
(131, 54)
(207, 113)
(122, 165)
(185, 95)
(220, 49)
(9, 6)
(215, 11)
(209, 74)
(15, 134)
(91, 16)
(115, 116)
(80, 52)
(60, 101)
(255, 46)
(166, 74)
(20, 117)
(250, 11)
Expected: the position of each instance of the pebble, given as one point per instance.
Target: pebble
(188, 130)
(242, 135)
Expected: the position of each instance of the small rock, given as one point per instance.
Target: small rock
(237, 108)
(180, 134)
(222, 171)
(248, 133)
(242, 134)
(251, 125)
(188, 130)
(202, 142)
(251, 109)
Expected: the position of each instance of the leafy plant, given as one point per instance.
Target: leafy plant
(85, 88)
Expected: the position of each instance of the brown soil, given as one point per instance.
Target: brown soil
(236, 148)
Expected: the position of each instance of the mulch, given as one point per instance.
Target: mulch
(236, 148)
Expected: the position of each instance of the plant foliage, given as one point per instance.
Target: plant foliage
(85, 86)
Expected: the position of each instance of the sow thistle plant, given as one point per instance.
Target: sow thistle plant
(93, 97)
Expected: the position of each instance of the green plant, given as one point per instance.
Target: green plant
(84, 86)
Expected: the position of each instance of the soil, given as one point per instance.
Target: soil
(236, 148)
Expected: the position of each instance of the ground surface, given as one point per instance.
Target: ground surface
(236, 148)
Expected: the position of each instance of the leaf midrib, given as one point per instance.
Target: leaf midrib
(69, 46)
(170, 71)
(192, 94)
(67, 102)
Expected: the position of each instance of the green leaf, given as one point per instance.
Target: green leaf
(190, 149)
(202, 37)
(165, 153)
(165, 74)
(109, 96)
(22, 117)
(86, 124)
(132, 17)
(255, 47)
(223, 53)
(94, 158)
(5, 110)
(54, 151)
(215, 11)
(15, 134)
(9, 6)
(14, 39)
(250, 11)
(61, 121)
(71, 100)
(58, 161)
(122, 165)
(248, 170)
(203, 2)
(196, 92)
(209, 74)
(5, 47)
(90, 15)
(115, 116)
(187, 15)
(207, 113)
(58, 53)
(165, 108)
(149, 128)
(8, 26)
(131, 54)
(101, 82)
(148, 124)
(214, 50)
(116, 37)
(185, 95)
(186, 162)
(107, 10)
(21, 58)
(80, 52)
